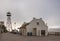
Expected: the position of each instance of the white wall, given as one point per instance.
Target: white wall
(33, 24)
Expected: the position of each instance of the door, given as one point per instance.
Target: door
(34, 31)
(43, 32)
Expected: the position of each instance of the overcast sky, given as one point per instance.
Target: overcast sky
(25, 10)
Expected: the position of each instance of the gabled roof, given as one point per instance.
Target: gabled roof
(24, 26)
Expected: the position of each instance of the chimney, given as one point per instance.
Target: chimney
(41, 18)
(34, 18)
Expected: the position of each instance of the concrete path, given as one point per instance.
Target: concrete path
(15, 37)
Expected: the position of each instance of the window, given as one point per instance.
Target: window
(37, 23)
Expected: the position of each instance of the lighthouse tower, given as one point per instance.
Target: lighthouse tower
(9, 25)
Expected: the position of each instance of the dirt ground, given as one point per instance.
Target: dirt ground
(16, 37)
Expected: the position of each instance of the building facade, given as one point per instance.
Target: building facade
(36, 27)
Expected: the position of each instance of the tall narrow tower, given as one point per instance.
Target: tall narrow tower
(9, 25)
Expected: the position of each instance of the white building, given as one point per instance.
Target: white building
(35, 27)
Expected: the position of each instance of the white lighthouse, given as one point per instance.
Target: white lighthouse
(9, 24)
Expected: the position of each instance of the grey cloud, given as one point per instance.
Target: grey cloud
(25, 10)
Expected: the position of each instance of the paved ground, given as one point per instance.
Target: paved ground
(14, 37)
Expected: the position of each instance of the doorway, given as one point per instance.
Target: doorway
(42, 32)
(34, 31)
